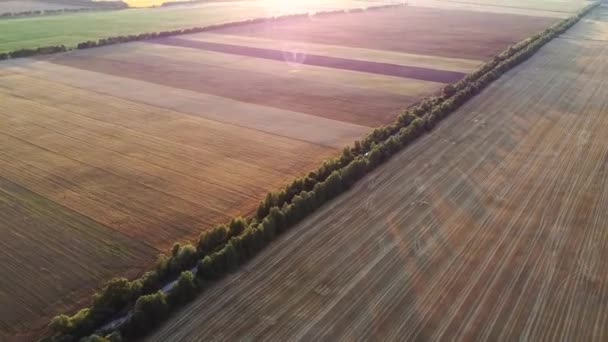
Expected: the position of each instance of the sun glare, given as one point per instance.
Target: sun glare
(145, 3)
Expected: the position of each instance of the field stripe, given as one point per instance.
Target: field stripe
(290, 124)
(418, 73)
(345, 103)
(362, 54)
(554, 12)
(73, 254)
(162, 55)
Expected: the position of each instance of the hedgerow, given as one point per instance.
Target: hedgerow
(117, 6)
(225, 247)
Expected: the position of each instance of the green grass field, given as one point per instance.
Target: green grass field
(70, 29)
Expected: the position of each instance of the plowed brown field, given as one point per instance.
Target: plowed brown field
(151, 142)
(420, 30)
(493, 227)
(544, 8)
(49, 252)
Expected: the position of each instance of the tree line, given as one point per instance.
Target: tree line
(162, 34)
(33, 13)
(225, 247)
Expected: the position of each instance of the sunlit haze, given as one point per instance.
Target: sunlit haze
(277, 5)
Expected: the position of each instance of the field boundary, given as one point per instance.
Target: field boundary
(91, 6)
(47, 50)
(40, 13)
(222, 249)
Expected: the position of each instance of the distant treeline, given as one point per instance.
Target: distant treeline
(93, 3)
(225, 247)
(188, 2)
(33, 52)
(183, 2)
(91, 6)
(54, 11)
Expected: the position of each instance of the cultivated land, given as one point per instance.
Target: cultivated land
(16, 6)
(49, 251)
(155, 141)
(490, 228)
(408, 29)
(146, 173)
(330, 67)
(71, 29)
(545, 8)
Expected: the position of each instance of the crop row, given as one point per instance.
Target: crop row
(221, 249)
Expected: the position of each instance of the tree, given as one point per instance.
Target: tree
(150, 310)
(184, 258)
(277, 216)
(114, 295)
(212, 239)
(236, 227)
(268, 227)
(449, 90)
(206, 268)
(184, 289)
(94, 338)
(354, 171)
(115, 337)
(61, 324)
(175, 249)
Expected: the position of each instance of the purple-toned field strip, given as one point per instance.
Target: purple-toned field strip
(388, 69)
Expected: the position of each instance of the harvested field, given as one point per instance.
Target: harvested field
(541, 8)
(178, 173)
(490, 228)
(16, 6)
(50, 253)
(335, 70)
(347, 102)
(71, 29)
(595, 29)
(155, 141)
(462, 34)
(417, 73)
(361, 54)
(140, 174)
(298, 126)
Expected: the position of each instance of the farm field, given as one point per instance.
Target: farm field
(486, 33)
(490, 228)
(73, 28)
(539, 8)
(20, 6)
(49, 251)
(154, 141)
(15, 6)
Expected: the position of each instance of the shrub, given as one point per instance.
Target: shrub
(94, 338)
(61, 324)
(149, 310)
(184, 289)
